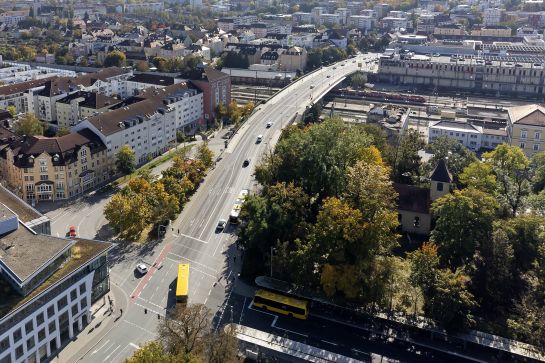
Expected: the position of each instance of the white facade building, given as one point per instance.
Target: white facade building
(467, 134)
(35, 324)
(362, 22)
(492, 16)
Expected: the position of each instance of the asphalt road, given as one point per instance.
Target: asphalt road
(192, 237)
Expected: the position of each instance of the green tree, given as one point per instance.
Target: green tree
(407, 160)
(479, 175)
(115, 58)
(28, 125)
(456, 154)
(450, 302)
(205, 155)
(142, 66)
(358, 80)
(537, 166)
(152, 352)
(164, 206)
(125, 160)
(128, 214)
(464, 219)
(512, 176)
(12, 110)
(61, 131)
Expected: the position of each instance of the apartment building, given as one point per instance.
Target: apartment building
(11, 18)
(40, 168)
(149, 125)
(526, 128)
(48, 284)
(216, 88)
(80, 105)
(21, 95)
(145, 7)
(494, 76)
(139, 82)
(492, 16)
(292, 59)
(465, 133)
(363, 22)
(449, 30)
(302, 18)
(491, 32)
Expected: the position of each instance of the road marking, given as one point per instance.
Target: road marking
(192, 261)
(149, 310)
(109, 355)
(134, 346)
(193, 238)
(96, 350)
(360, 351)
(261, 311)
(139, 327)
(291, 331)
(242, 311)
(325, 341)
(142, 284)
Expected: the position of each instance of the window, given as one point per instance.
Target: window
(51, 311)
(536, 147)
(4, 344)
(73, 295)
(522, 145)
(440, 187)
(416, 222)
(19, 351)
(52, 327)
(523, 134)
(39, 319)
(82, 289)
(17, 335)
(30, 343)
(74, 309)
(83, 303)
(44, 177)
(41, 335)
(29, 326)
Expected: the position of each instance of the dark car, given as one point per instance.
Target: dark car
(246, 163)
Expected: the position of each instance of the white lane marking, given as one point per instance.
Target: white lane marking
(193, 238)
(153, 334)
(325, 341)
(192, 261)
(360, 351)
(195, 269)
(291, 331)
(96, 350)
(242, 311)
(134, 346)
(261, 311)
(149, 302)
(107, 359)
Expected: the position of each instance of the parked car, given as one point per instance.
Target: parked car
(221, 225)
(72, 232)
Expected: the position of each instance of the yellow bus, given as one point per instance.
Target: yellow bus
(281, 304)
(182, 285)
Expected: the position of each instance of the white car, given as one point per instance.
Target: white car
(269, 124)
(143, 269)
(259, 139)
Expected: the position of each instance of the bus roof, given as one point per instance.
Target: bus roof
(182, 285)
(287, 300)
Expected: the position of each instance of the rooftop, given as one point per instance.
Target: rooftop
(90, 99)
(155, 79)
(25, 252)
(413, 198)
(82, 252)
(533, 115)
(24, 211)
